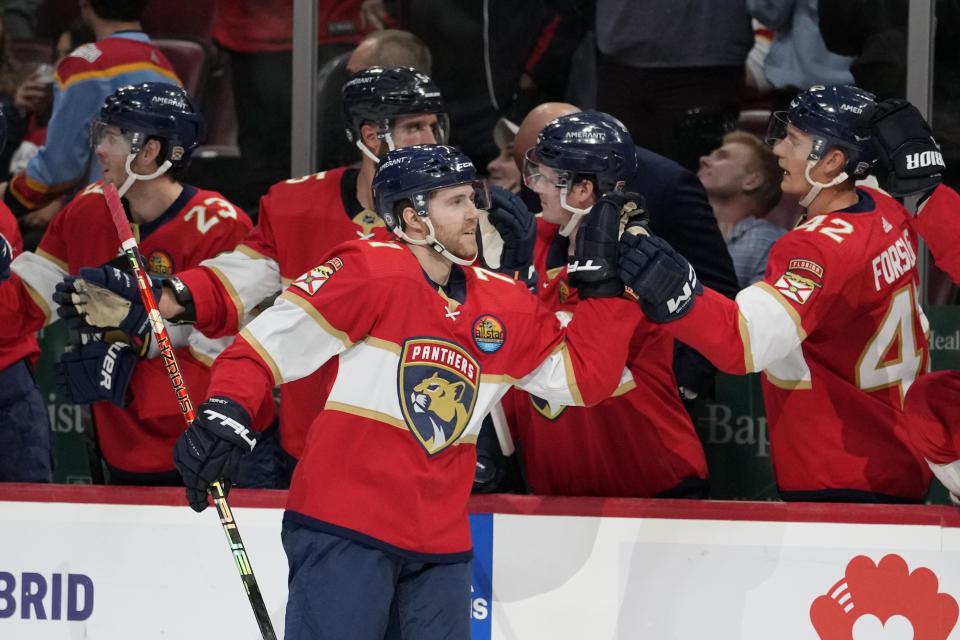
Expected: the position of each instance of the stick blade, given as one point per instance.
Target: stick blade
(119, 216)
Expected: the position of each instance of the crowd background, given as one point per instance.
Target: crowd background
(680, 75)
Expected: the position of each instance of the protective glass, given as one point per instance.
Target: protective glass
(403, 131)
(116, 139)
(776, 128)
(533, 176)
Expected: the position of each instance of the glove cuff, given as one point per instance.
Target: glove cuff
(229, 421)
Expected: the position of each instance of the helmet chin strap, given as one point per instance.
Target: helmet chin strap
(132, 176)
(817, 187)
(366, 151)
(574, 220)
(435, 244)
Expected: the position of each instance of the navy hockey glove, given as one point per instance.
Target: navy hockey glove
(661, 279)
(593, 267)
(103, 297)
(95, 372)
(910, 161)
(211, 447)
(517, 228)
(6, 257)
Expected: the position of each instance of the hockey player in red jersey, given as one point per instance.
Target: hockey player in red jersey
(642, 442)
(143, 141)
(376, 528)
(834, 325)
(25, 443)
(911, 165)
(300, 220)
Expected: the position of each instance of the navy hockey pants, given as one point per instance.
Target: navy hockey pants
(342, 589)
(25, 439)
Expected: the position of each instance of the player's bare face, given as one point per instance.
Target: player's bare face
(112, 152)
(544, 184)
(416, 129)
(792, 152)
(454, 217)
(724, 171)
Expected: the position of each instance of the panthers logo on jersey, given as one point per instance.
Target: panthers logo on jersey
(437, 382)
(544, 408)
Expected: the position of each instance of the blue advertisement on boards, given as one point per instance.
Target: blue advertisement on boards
(481, 584)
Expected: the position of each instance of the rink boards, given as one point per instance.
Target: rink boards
(105, 563)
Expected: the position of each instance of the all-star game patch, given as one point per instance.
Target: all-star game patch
(489, 334)
(311, 281)
(160, 263)
(800, 281)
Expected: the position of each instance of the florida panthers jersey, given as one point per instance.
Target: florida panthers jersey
(300, 220)
(836, 329)
(390, 460)
(14, 348)
(637, 444)
(199, 224)
(937, 223)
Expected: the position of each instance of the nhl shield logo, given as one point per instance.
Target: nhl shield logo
(437, 382)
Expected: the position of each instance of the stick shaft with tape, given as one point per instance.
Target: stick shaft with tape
(129, 245)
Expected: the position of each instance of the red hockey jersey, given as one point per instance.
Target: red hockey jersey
(390, 460)
(300, 221)
(637, 444)
(937, 223)
(199, 224)
(836, 328)
(14, 348)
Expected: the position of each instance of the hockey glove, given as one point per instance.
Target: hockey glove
(6, 257)
(662, 280)
(211, 447)
(910, 161)
(95, 372)
(593, 267)
(103, 297)
(517, 228)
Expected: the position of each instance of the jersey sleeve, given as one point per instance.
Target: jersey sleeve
(584, 362)
(937, 223)
(769, 319)
(227, 287)
(329, 308)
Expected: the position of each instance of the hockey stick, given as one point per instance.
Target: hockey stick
(129, 245)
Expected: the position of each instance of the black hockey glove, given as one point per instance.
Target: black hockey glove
(103, 297)
(910, 161)
(517, 228)
(96, 371)
(593, 267)
(6, 257)
(662, 280)
(211, 447)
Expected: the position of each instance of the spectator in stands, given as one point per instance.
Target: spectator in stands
(123, 55)
(684, 61)
(258, 36)
(742, 179)
(34, 96)
(798, 57)
(492, 54)
(20, 18)
(10, 77)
